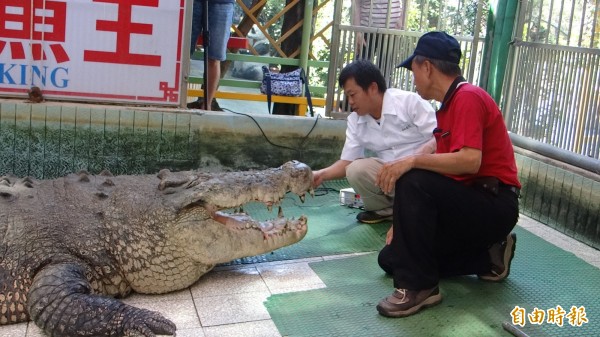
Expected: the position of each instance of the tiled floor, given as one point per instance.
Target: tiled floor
(229, 300)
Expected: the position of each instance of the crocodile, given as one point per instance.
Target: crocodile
(73, 246)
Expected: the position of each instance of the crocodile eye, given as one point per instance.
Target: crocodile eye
(5, 194)
(101, 195)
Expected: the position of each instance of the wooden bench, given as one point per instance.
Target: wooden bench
(259, 97)
(236, 42)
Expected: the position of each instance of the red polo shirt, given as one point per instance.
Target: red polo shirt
(471, 118)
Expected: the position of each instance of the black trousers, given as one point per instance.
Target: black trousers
(444, 228)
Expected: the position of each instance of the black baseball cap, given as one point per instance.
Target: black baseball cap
(437, 46)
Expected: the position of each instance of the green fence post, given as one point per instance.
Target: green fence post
(306, 31)
(499, 34)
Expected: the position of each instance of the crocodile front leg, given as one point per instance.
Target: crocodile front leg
(61, 303)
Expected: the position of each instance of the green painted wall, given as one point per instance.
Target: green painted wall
(51, 140)
(561, 198)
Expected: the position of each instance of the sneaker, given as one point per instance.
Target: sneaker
(404, 302)
(372, 217)
(501, 254)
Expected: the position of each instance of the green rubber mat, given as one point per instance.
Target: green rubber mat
(542, 276)
(332, 228)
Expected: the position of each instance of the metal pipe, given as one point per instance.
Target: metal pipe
(513, 330)
(586, 163)
(334, 57)
(306, 30)
(185, 53)
(509, 86)
(475, 42)
(206, 44)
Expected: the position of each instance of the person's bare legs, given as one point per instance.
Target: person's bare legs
(214, 75)
(220, 19)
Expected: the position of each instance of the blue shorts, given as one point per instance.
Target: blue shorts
(220, 16)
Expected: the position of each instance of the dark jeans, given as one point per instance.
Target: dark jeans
(444, 228)
(220, 16)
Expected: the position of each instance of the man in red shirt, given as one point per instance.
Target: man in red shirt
(454, 210)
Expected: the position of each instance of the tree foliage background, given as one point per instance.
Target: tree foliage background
(455, 16)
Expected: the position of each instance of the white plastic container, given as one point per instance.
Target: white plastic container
(349, 198)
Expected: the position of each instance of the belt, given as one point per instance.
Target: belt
(513, 189)
(493, 184)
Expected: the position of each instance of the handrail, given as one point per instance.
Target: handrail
(266, 59)
(241, 83)
(589, 164)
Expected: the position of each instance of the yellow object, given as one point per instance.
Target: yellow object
(298, 100)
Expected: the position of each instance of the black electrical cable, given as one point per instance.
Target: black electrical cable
(320, 191)
(304, 139)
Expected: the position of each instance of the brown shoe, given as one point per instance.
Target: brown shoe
(404, 302)
(372, 217)
(501, 255)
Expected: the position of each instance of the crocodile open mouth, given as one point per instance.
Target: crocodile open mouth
(279, 226)
(237, 219)
(217, 192)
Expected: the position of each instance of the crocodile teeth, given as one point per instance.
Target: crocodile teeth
(302, 198)
(270, 207)
(280, 212)
(267, 226)
(312, 192)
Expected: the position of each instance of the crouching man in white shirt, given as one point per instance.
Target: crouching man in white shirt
(391, 123)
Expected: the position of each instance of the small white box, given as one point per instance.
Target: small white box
(349, 198)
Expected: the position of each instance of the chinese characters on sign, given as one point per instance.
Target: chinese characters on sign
(101, 50)
(557, 316)
(16, 17)
(124, 27)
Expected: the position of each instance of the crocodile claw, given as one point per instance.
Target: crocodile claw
(147, 323)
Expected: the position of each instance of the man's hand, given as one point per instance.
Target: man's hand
(317, 178)
(390, 172)
(389, 236)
